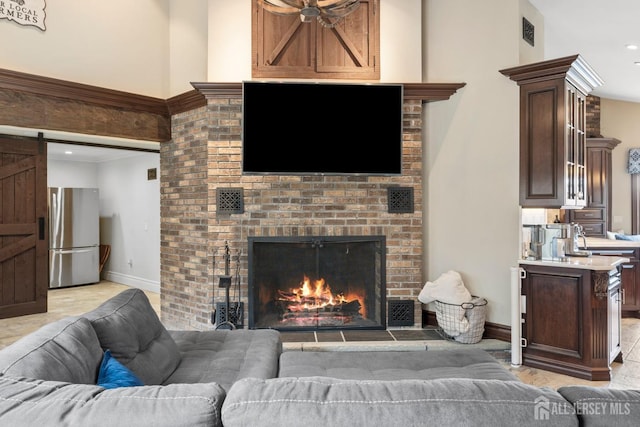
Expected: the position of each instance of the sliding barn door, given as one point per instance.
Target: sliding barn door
(24, 244)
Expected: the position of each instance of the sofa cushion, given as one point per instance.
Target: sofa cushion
(113, 374)
(319, 401)
(28, 402)
(225, 356)
(65, 350)
(129, 327)
(394, 365)
(596, 406)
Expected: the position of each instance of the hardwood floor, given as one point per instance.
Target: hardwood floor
(77, 300)
(65, 302)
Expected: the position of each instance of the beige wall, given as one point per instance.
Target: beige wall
(188, 44)
(472, 145)
(619, 119)
(116, 44)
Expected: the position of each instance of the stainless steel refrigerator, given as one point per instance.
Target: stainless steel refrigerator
(74, 236)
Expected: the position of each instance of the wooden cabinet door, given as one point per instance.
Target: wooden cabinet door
(542, 146)
(630, 274)
(598, 175)
(575, 148)
(24, 250)
(614, 322)
(286, 47)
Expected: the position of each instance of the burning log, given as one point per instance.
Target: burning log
(314, 302)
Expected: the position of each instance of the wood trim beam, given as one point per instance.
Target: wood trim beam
(49, 87)
(186, 101)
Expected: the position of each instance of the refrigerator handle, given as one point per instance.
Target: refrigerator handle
(41, 228)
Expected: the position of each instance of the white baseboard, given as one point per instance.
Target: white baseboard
(136, 282)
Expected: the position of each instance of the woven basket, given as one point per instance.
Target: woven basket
(463, 323)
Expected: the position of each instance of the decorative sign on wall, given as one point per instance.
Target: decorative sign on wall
(24, 12)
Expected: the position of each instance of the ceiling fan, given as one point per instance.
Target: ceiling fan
(328, 12)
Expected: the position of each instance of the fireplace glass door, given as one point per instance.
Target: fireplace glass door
(309, 283)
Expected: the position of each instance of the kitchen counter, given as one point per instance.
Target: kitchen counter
(572, 315)
(594, 262)
(595, 242)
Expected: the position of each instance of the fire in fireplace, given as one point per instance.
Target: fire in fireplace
(308, 283)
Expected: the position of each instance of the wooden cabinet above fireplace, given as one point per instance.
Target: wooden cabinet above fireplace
(285, 47)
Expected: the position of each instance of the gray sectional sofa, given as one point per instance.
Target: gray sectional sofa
(243, 378)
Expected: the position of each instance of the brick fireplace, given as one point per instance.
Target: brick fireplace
(203, 161)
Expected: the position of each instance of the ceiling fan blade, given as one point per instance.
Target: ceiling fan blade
(278, 7)
(341, 9)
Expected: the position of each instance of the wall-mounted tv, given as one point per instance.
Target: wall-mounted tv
(300, 128)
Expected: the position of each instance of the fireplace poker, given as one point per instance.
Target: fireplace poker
(225, 282)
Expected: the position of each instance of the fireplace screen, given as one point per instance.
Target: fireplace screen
(306, 283)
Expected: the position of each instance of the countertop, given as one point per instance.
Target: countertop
(595, 242)
(594, 262)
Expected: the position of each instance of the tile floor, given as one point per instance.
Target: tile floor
(75, 301)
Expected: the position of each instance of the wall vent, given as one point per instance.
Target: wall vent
(401, 313)
(230, 200)
(400, 199)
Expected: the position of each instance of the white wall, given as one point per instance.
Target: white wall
(62, 173)
(130, 220)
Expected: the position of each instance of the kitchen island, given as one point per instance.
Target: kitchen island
(572, 312)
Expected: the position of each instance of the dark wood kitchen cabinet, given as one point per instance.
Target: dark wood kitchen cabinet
(595, 218)
(630, 275)
(553, 158)
(572, 320)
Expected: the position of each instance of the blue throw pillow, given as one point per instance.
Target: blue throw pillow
(114, 374)
(632, 237)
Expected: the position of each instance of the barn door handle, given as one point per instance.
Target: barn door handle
(41, 228)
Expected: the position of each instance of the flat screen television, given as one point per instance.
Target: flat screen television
(294, 128)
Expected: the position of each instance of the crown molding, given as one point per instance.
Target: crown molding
(426, 92)
(63, 89)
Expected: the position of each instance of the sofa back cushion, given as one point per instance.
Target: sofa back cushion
(67, 350)
(129, 327)
(596, 406)
(25, 402)
(320, 401)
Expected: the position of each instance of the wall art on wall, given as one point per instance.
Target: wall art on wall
(24, 12)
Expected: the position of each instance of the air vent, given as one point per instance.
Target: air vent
(528, 32)
(400, 199)
(230, 200)
(401, 313)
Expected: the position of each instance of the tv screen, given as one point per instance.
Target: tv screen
(293, 128)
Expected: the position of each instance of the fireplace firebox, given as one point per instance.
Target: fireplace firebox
(316, 283)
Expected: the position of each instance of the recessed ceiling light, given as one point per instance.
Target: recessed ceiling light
(68, 152)
(637, 63)
(631, 46)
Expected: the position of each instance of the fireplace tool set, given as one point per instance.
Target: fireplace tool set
(224, 317)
